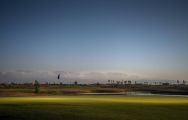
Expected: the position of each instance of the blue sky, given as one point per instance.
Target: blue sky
(143, 38)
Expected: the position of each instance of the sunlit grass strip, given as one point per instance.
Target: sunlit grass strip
(97, 99)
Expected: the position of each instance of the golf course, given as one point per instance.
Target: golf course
(94, 107)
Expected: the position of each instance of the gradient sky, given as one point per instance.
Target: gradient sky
(94, 39)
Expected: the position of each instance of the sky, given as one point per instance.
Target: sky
(93, 40)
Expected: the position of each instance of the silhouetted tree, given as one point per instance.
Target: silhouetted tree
(122, 82)
(37, 85)
(75, 83)
(97, 83)
(125, 82)
(129, 81)
(155, 83)
(160, 83)
(61, 83)
(109, 81)
(184, 82)
(135, 82)
(178, 82)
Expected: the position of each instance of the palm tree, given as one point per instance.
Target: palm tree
(184, 82)
(109, 81)
(125, 82)
(178, 82)
(129, 81)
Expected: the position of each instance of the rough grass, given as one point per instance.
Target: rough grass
(94, 108)
(56, 90)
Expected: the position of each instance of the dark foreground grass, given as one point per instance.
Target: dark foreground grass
(94, 108)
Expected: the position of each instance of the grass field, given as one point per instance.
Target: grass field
(94, 108)
(55, 90)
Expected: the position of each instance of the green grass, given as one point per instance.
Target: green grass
(94, 108)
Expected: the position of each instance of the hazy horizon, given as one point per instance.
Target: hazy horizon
(93, 40)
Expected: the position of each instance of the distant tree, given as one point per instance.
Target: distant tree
(155, 83)
(178, 82)
(61, 83)
(97, 83)
(75, 83)
(112, 81)
(184, 82)
(166, 83)
(37, 85)
(135, 82)
(160, 83)
(122, 82)
(129, 81)
(109, 81)
(125, 82)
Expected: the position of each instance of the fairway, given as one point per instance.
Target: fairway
(94, 108)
